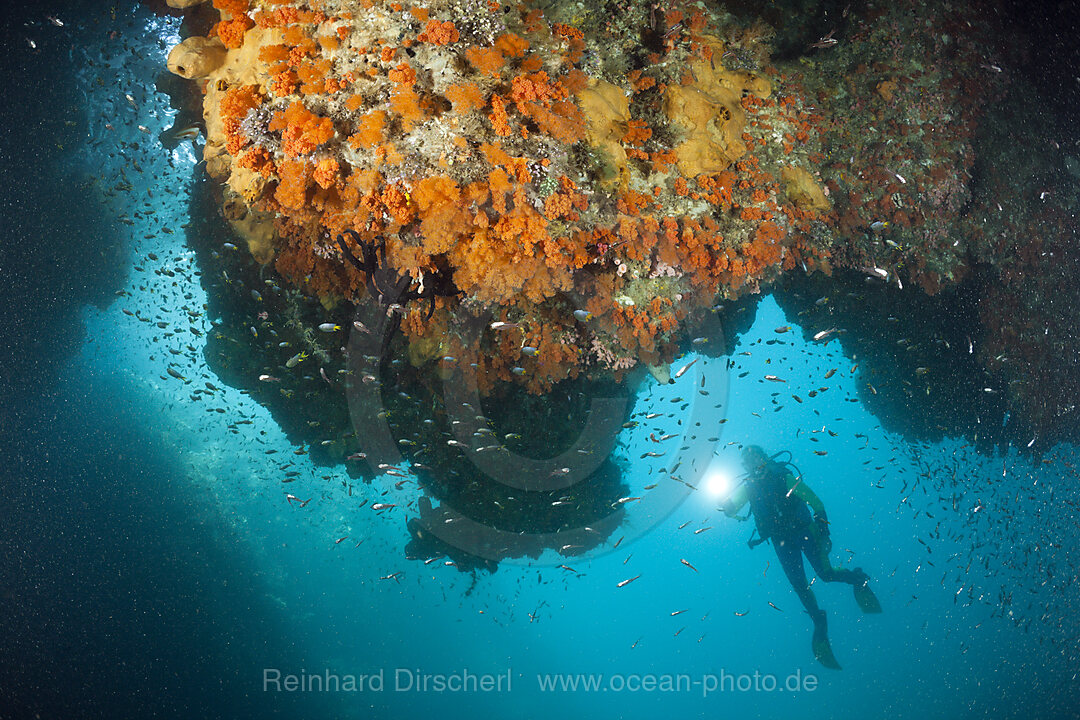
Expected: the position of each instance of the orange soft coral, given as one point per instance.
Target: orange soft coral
(232, 31)
(439, 33)
(403, 74)
(284, 84)
(232, 7)
(235, 105)
(326, 171)
(563, 121)
(369, 130)
(500, 120)
(292, 187)
(406, 103)
(486, 60)
(257, 160)
(303, 130)
(637, 132)
(465, 97)
(274, 53)
(537, 87)
(512, 45)
(442, 218)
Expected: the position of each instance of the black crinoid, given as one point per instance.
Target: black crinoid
(389, 286)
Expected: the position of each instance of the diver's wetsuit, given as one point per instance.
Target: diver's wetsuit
(779, 506)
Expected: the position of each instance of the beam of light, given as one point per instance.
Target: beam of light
(718, 483)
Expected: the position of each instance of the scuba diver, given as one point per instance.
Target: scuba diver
(778, 501)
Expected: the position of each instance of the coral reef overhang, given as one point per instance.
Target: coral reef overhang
(599, 182)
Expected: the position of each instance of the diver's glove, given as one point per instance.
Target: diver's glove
(753, 543)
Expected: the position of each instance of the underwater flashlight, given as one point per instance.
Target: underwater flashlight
(718, 482)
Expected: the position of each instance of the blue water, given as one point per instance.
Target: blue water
(152, 565)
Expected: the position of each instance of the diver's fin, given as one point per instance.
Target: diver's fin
(822, 650)
(866, 598)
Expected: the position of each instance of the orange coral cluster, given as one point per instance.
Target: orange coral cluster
(235, 105)
(302, 130)
(439, 33)
(508, 244)
(231, 30)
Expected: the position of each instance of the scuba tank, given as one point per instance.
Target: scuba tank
(771, 501)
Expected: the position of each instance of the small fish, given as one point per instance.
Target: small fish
(504, 325)
(329, 327)
(130, 99)
(144, 129)
(188, 133)
(684, 562)
(682, 371)
(782, 329)
(819, 336)
(296, 360)
(55, 20)
(518, 370)
(268, 378)
(256, 296)
(583, 315)
(529, 350)
(773, 378)
(878, 225)
(361, 327)
(31, 43)
(830, 373)
(383, 506)
(624, 583)
(699, 341)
